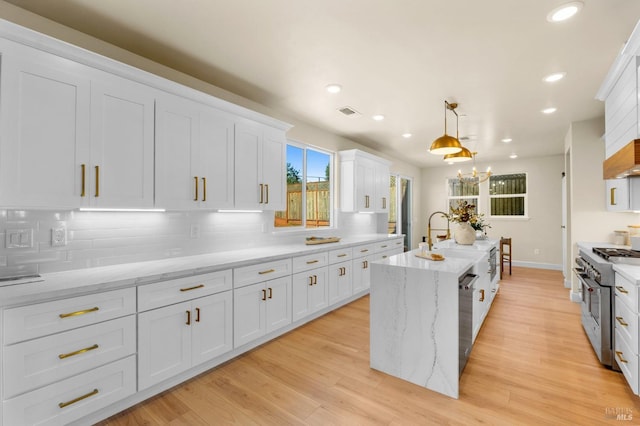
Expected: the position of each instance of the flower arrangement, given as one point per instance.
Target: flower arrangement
(466, 212)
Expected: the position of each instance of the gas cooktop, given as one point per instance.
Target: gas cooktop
(618, 255)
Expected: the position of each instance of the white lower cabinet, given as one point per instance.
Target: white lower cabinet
(626, 330)
(481, 294)
(260, 309)
(73, 398)
(310, 292)
(175, 338)
(363, 255)
(340, 281)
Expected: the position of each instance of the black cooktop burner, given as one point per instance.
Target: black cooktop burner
(607, 252)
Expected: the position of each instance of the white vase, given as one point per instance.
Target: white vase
(464, 234)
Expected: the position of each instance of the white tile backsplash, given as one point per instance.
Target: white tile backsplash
(110, 238)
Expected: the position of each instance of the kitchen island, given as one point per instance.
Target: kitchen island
(416, 318)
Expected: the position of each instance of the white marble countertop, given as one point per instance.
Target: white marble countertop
(481, 245)
(630, 272)
(79, 281)
(451, 264)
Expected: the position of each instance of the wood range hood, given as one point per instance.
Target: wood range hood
(625, 162)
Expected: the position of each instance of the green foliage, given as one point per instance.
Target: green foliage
(293, 174)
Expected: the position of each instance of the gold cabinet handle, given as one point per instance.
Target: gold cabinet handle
(310, 281)
(78, 352)
(97, 181)
(365, 264)
(192, 288)
(621, 321)
(384, 256)
(77, 313)
(195, 194)
(620, 357)
(197, 314)
(622, 289)
(188, 317)
(80, 398)
(311, 262)
(384, 202)
(366, 201)
(204, 189)
(482, 295)
(261, 193)
(612, 196)
(315, 280)
(384, 246)
(264, 294)
(268, 271)
(267, 191)
(342, 255)
(364, 250)
(270, 293)
(83, 171)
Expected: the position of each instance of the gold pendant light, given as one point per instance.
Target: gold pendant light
(446, 144)
(459, 157)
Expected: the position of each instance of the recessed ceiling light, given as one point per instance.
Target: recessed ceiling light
(512, 156)
(378, 117)
(550, 110)
(450, 163)
(507, 140)
(334, 88)
(564, 12)
(552, 78)
(406, 135)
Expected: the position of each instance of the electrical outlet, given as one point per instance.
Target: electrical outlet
(59, 236)
(536, 251)
(19, 238)
(195, 231)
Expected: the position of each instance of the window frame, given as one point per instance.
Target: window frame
(303, 226)
(450, 197)
(525, 196)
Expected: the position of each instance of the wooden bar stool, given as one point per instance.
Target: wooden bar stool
(505, 254)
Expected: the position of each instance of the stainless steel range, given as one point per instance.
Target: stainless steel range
(595, 272)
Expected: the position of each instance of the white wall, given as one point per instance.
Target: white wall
(96, 239)
(590, 221)
(541, 231)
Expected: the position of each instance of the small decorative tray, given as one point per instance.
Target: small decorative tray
(430, 256)
(321, 240)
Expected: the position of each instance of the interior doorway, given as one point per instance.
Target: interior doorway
(400, 207)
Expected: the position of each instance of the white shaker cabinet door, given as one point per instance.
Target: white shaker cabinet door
(249, 189)
(249, 306)
(278, 312)
(214, 163)
(274, 168)
(164, 343)
(212, 326)
(44, 141)
(122, 144)
(340, 281)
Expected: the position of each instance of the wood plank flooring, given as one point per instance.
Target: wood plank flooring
(532, 364)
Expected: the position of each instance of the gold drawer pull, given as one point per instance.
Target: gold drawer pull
(481, 295)
(384, 256)
(622, 289)
(80, 398)
(384, 246)
(311, 262)
(342, 255)
(621, 321)
(364, 250)
(268, 271)
(192, 288)
(619, 354)
(78, 352)
(77, 313)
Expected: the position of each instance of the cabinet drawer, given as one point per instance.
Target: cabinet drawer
(41, 319)
(393, 251)
(629, 368)
(73, 398)
(340, 255)
(626, 323)
(261, 272)
(42, 361)
(151, 296)
(311, 261)
(627, 292)
(388, 245)
(364, 250)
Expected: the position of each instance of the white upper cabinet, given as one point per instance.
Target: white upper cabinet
(122, 145)
(364, 182)
(44, 140)
(194, 155)
(260, 156)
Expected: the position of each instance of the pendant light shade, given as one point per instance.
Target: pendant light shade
(459, 157)
(446, 144)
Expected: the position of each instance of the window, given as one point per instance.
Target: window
(308, 168)
(508, 195)
(466, 189)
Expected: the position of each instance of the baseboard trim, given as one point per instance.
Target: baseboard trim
(538, 265)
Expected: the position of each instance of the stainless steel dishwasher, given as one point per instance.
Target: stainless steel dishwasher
(465, 317)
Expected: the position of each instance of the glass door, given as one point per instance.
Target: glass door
(400, 208)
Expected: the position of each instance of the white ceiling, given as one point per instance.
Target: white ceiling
(400, 58)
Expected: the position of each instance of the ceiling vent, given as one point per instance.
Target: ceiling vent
(347, 110)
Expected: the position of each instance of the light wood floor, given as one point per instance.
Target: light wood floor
(531, 365)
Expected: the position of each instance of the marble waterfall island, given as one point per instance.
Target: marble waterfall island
(415, 321)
